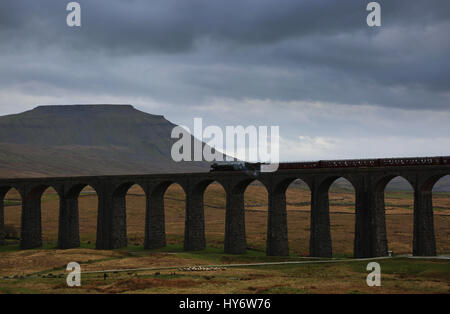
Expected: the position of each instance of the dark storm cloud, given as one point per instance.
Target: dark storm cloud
(174, 25)
(274, 49)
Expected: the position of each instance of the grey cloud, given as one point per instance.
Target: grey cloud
(174, 26)
(184, 52)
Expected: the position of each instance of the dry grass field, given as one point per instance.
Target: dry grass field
(403, 275)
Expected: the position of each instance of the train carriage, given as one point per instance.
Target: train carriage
(343, 163)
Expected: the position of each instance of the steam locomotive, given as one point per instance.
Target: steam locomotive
(345, 163)
(236, 166)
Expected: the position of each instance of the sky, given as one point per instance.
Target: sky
(335, 87)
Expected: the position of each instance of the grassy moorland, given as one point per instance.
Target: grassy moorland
(27, 271)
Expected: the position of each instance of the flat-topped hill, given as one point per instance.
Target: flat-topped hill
(87, 140)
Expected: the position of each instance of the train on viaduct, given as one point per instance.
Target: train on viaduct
(369, 178)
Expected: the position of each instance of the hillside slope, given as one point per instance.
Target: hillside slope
(87, 140)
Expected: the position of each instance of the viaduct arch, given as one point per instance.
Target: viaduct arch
(370, 226)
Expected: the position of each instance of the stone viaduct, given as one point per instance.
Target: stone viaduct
(369, 183)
